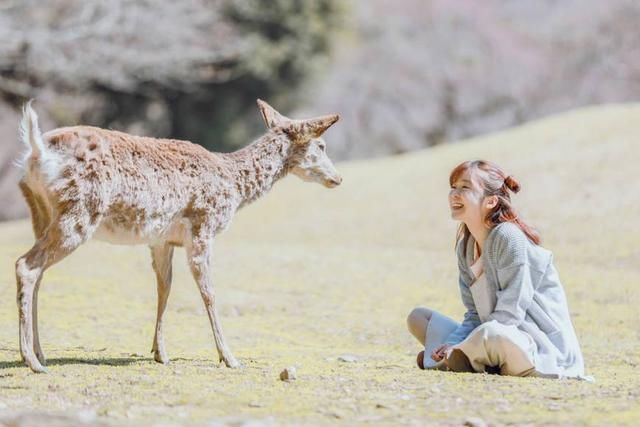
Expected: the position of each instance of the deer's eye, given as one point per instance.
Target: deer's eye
(322, 147)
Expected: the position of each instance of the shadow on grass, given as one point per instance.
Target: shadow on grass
(108, 361)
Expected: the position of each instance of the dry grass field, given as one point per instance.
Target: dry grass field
(323, 280)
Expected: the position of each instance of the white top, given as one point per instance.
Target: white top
(484, 297)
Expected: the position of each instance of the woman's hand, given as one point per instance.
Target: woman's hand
(439, 353)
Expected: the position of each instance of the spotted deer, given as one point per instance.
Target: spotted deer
(82, 182)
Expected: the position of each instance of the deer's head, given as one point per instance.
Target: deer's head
(309, 158)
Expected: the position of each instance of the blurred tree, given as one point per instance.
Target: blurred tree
(190, 69)
(423, 72)
(282, 44)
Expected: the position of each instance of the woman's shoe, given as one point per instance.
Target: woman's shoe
(420, 360)
(457, 361)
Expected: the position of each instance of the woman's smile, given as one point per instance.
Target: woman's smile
(457, 209)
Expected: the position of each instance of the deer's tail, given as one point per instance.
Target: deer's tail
(30, 134)
(37, 161)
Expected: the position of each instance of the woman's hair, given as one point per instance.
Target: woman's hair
(494, 182)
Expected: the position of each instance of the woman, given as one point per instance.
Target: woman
(517, 320)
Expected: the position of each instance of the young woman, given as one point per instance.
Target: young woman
(517, 320)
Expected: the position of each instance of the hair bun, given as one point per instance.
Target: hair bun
(512, 184)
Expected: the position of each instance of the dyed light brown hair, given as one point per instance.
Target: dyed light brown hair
(494, 182)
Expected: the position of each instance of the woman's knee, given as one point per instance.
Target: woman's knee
(418, 318)
(496, 336)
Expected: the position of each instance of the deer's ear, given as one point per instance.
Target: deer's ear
(304, 130)
(271, 117)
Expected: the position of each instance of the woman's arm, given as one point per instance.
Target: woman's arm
(471, 318)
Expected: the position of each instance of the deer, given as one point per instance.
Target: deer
(85, 182)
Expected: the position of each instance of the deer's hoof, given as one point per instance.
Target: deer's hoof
(161, 358)
(232, 363)
(36, 366)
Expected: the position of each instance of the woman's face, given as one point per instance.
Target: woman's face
(467, 201)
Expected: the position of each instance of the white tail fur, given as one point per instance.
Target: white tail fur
(30, 132)
(30, 136)
(47, 163)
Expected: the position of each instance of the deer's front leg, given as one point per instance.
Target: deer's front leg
(162, 256)
(198, 254)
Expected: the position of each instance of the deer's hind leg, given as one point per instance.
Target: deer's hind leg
(68, 230)
(40, 220)
(162, 256)
(40, 210)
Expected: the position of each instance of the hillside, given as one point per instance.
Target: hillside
(307, 275)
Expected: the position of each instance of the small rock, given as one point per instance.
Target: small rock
(333, 414)
(475, 422)
(347, 358)
(386, 406)
(288, 374)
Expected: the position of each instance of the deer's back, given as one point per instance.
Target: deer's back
(143, 187)
(127, 154)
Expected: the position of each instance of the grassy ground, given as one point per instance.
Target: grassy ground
(307, 275)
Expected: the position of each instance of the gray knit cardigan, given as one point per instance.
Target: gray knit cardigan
(529, 296)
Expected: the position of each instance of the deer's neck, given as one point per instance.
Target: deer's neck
(259, 165)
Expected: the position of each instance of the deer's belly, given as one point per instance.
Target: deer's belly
(148, 233)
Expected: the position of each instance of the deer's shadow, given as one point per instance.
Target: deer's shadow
(97, 361)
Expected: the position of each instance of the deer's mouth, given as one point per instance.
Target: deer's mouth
(333, 182)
